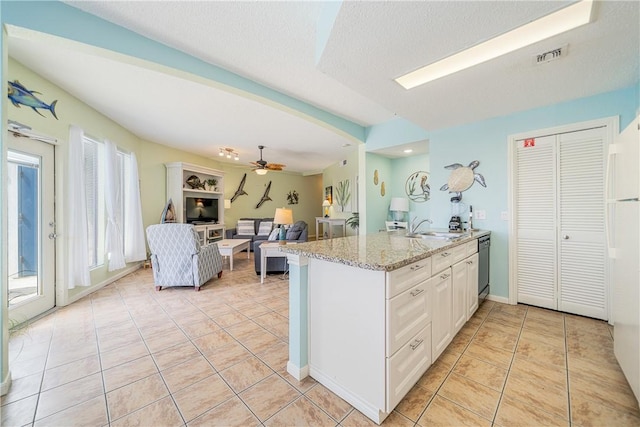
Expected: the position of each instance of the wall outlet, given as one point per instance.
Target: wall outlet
(481, 214)
(504, 215)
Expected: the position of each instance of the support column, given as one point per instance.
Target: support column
(298, 364)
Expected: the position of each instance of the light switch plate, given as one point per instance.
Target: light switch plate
(481, 214)
(504, 215)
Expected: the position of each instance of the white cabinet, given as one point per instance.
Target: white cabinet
(406, 367)
(459, 290)
(472, 285)
(178, 190)
(409, 316)
(441, 324)
(465, 291)
(210, 233)
(373, 334)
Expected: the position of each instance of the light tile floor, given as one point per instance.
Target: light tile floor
(128, 355)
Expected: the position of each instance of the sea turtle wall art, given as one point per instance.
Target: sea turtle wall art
(462, 178)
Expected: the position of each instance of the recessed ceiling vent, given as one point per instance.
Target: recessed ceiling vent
(551, 55)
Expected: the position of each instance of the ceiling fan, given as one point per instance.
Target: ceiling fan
(262, 167)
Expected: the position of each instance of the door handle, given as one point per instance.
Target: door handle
(52, 236)
(565, 237)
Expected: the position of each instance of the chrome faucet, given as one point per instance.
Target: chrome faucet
(413, 226)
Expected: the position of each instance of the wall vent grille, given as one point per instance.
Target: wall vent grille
(551, 55)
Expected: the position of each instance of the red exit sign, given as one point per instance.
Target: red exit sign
(529, 142)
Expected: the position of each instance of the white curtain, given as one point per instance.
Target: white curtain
(113, 196)
(76, 216)
(134, 246)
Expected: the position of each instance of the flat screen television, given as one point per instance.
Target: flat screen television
(198, 209)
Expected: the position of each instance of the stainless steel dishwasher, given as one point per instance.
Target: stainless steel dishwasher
(484, 243)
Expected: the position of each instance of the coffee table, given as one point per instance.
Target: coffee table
(228, 247)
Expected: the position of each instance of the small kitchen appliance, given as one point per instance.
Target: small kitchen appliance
(455, 223)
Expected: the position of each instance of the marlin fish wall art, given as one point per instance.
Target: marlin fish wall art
(18, 94)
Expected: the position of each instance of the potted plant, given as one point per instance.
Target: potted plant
(354, 221)
(211, 184)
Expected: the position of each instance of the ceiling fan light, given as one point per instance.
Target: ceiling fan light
(261, 171)
(228, 155)
(221, 153)
(237, 157)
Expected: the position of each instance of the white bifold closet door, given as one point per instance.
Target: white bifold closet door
(560, 215)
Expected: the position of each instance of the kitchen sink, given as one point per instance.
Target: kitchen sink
(440, 235)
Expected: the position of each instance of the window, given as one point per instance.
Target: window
(94, 184)
(123, 173)
(94, 190)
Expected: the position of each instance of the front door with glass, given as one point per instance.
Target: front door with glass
(31, 228)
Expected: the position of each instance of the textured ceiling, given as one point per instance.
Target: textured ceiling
(603, 56)
(274, 43)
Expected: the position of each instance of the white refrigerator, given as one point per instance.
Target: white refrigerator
(624, 249)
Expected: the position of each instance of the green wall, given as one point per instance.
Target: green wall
(377, 204)
(334, 174)
(486, 141)
(151, 160)
(70, 111)
(309, 189)
(401, 169)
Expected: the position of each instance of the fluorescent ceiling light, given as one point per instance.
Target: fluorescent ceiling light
(548, 26)
(408, 150)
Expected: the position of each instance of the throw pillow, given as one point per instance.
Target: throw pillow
(274, 234)
(265, 228)
(246, 228)
(294, 232)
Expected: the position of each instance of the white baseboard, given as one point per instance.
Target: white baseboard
(6, 384)
(104, 283)
(296, 372)
(369, 410)
(503, 300)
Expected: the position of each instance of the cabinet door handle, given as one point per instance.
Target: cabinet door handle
(416, 292)
(415, 344)
(416, 267)
(444, 276)
(469, 262)
(445, 254)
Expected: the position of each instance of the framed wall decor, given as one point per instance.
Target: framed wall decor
(328, 194)
(343, 195)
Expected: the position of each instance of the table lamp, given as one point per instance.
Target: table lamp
(326, 205)
(399, 205)
(283, 217)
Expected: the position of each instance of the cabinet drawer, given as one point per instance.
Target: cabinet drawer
(471, 247)
(406, 367)
(404, 278)
(407, 313)
(447, 258)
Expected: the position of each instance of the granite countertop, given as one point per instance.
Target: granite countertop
(384, 251)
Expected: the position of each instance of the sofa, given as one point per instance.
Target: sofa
(258, 234)
(298, 232)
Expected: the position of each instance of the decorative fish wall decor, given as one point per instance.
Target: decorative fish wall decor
(18, 94)
(194, 182)
(265, 196)
(240, 191)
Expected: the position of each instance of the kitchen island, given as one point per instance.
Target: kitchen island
(369, 314)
